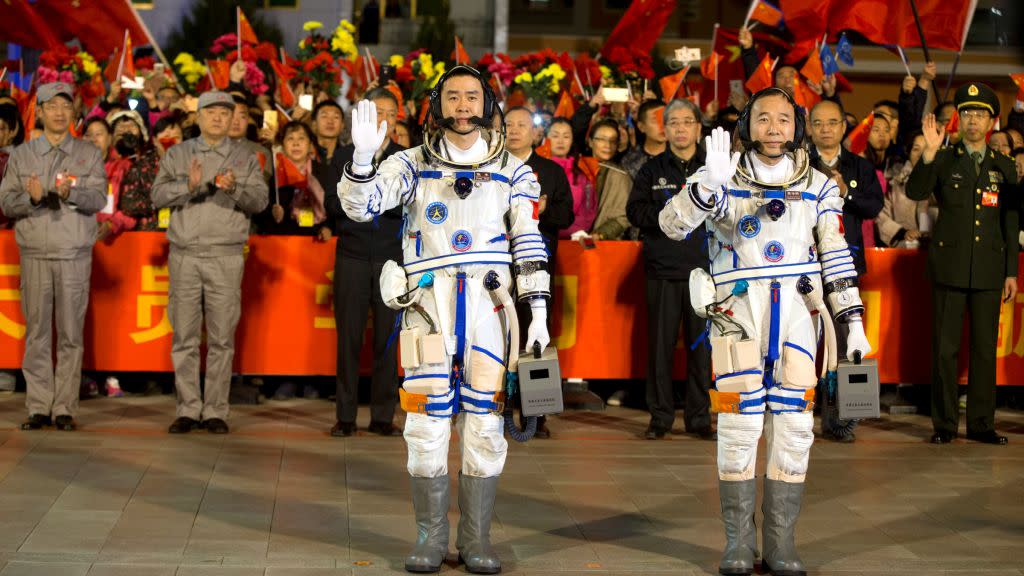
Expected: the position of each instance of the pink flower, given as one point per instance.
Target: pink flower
(254, 79)
(66, 76)
(47, 75)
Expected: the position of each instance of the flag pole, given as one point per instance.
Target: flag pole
(120, 65)
(949, 83)
(750, 12)
(711, 54)
(924, 44)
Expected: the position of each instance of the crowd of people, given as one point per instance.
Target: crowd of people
(158, 160)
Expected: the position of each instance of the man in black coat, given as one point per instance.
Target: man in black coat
(362, 250)
(859, 186)
(555, 206)
(668, 265)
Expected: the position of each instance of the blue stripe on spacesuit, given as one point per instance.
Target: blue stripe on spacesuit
(437, 175)
(773, 330)
(489, 354)
(800, 348)
(771, 194)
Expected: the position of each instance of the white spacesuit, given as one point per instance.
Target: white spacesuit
(776, 244)
(470, 213)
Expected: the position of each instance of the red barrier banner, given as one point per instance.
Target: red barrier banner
(599, 314)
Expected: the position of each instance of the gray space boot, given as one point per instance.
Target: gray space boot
(781, 508)
(738, 503)
(476, 502)
(430, 502)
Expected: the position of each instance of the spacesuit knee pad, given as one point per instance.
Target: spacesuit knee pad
(792, 435)
(738, 435)
(426, 438)
(483, 444)
(797, 367)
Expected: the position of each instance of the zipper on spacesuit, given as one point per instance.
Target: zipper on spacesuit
(418, 236)
(773, 331)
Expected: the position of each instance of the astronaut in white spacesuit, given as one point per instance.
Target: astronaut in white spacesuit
(470, 230)
(777, 255)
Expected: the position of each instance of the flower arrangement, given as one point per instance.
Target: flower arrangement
(629, 65)
(62, 64)
(425, 73)
(540, 87)
(343, 43)
(190, 70)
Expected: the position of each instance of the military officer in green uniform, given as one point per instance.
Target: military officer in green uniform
(972, 260)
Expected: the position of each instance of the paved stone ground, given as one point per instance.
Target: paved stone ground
(279, 497)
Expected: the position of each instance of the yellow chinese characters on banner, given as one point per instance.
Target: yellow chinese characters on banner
(150, 304)
(10, 292)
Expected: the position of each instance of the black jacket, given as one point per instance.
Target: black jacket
(864, 198)
(376, 241)
(558, 214)
(656, 183)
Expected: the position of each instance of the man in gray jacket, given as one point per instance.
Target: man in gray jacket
(53, 187)
(212, 186)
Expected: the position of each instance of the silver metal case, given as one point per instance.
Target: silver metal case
(540, 383)
(857, 392)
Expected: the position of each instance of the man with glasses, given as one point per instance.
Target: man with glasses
(53, 187)
(668, 264)
(972, 259)
(862, 200)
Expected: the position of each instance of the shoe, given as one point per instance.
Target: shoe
(476, 502)
(943, 437)
(430, 503)
(215, 426)
(113, 387)
(36, 421)
(342, 429)
(840, 437)
(383, 428)
(781, 507)
(65, 423)
(739, 500)
(542, 429)
(309, 392)
(708, 433)
(286, 391)
(183, 425)
(654, 433)
(988, 437)
(617, 398)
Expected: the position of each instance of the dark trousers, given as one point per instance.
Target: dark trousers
(357, 292)
(668, 304)
(948, 305)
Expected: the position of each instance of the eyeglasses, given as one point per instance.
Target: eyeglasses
(818, 124)
(609, 141)
(974, 115)
(684, 122)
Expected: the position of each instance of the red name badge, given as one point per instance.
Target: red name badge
(990, 198)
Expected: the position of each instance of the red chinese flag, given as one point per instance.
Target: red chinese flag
(29, 116)
(589, 166)
(943, 22)
(812, 69)
(670, 84)
(21, 24)
(128, 69)
(953, 126)
(288, 174)
(709, 66)
(857, 141)
(765, 13)
(247, 33)
(98, 24)
(641, 25)
(110, 72)
(424, 110)
(803, 94)
(220, 73)
(566, 107)
(1018, 79)
(762, 76)
(730, 66)
(459, 55)
(544, 149)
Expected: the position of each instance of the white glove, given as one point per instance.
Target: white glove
(719, 166)
(579, 234)
(538, 331)
(393, 283)
(856, 341)
(367, 136)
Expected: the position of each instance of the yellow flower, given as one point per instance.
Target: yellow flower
(302, 43)
(426, 65)
(347, 26)
(524, 78)
(184, 59)
(396, 60)
(89, 66)
(439, 68)
(312, 25)
(606, 72)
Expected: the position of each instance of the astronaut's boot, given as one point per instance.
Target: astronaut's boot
(738, 504)
(430, 502)
(476, 502)
(781, 508)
